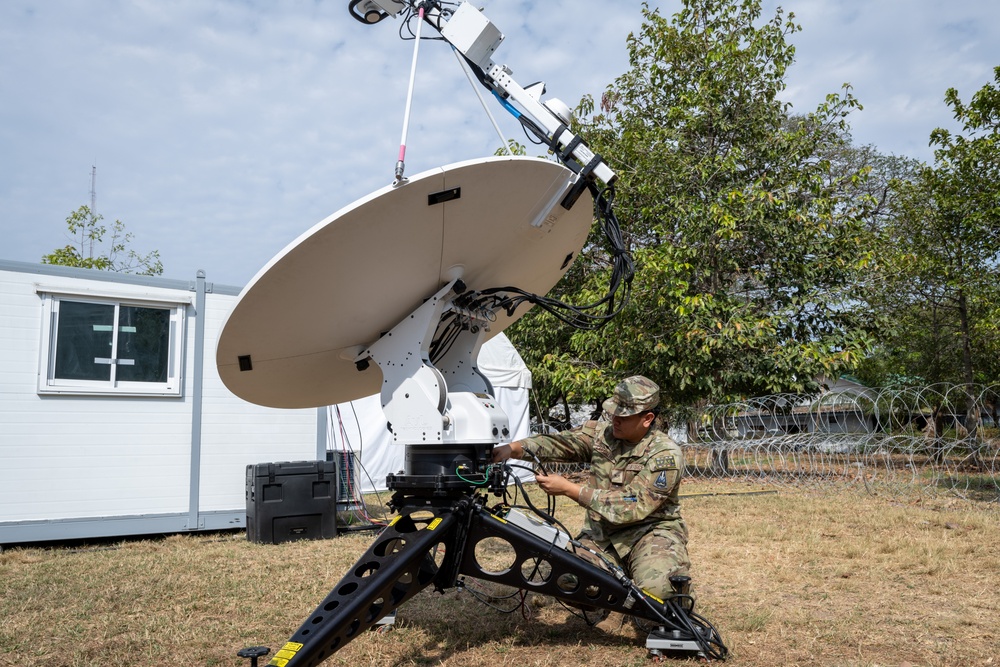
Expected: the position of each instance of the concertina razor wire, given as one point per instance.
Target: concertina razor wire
(903, 442)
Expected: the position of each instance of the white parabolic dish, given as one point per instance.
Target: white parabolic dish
(493, 222)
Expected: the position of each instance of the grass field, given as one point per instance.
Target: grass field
(789, 578)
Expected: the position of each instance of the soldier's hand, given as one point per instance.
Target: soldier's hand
(503, 452)
(557, 485)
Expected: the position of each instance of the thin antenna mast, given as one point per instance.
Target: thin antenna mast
(93, 208)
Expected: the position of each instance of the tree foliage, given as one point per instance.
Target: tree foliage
(86, 228)
(939, 280)
(749, 244)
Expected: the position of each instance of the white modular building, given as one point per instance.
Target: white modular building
(114, 421)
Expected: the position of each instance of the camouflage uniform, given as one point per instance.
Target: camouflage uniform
(631, 495)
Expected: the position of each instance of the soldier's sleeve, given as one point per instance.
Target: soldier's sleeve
(565, 447)
(649, 491)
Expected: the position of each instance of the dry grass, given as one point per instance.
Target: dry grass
(791, 578)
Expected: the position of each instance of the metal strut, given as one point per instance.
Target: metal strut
(397, 566)
(401, 161)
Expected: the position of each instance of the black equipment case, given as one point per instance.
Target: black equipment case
(291, 500)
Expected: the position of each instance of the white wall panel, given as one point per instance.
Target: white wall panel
(85, 457)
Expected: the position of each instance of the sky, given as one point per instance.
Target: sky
(222, 129)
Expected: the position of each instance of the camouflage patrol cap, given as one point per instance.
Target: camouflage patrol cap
(632, 396)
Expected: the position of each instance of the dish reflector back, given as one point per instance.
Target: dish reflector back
(300, 322)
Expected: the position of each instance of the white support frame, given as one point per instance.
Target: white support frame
(415, 398)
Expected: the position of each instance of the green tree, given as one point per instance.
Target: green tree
(876, 192)
(749, 244)
(85, 226)
(938, 280)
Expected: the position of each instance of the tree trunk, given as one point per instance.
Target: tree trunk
(971, 409)
(935, 426)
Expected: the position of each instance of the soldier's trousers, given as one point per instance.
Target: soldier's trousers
(657, 556)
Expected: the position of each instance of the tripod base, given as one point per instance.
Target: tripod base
(433, 542)
(662, 642)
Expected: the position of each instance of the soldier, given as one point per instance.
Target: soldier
(633, 512)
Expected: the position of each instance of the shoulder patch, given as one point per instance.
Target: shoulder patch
(601, 448)
(663, 462)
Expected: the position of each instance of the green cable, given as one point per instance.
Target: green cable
(486, 476)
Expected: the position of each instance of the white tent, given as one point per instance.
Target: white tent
(359, 426)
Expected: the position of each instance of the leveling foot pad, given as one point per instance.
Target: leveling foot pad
(385, 624)
(663, 643)
(253, 653)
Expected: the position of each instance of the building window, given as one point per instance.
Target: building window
(110, 347)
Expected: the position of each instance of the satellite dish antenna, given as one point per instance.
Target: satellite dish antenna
(395, 294)
(354, 306)
(293, 339)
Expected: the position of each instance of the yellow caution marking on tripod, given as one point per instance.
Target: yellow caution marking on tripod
(395, 519)
(650, 595)
(286, 653)
(434, 524)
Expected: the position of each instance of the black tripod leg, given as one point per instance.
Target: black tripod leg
(397, 566)
(540, 567)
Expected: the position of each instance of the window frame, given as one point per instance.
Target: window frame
(48, 384)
